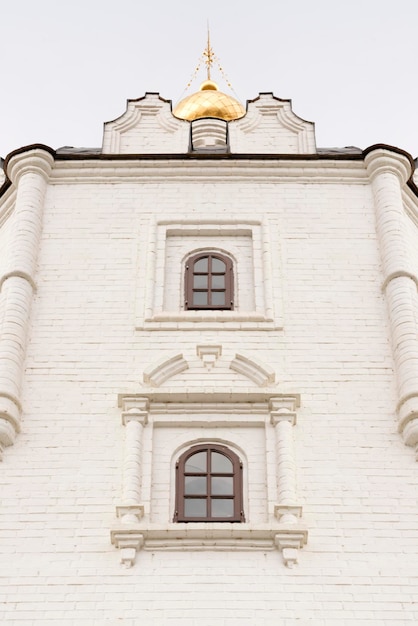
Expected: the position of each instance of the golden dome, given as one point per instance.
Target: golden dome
(209, 102)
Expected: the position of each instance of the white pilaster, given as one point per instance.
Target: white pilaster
(389, 172)
(291, 536)
(134, 418)
(29, 172)
(130, 512)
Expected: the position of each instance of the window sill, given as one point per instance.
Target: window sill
(204, 319)
(288, 538)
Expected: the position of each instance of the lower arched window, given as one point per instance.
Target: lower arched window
(209, 485)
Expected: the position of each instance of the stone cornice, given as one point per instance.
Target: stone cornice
(212, 398)
(322, 167)
(156, 170)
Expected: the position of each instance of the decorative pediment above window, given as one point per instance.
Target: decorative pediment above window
(219, 370)
(158, 373)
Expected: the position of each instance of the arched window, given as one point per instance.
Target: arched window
(209, 485)
(209, 282)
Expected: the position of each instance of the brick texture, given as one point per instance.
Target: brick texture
(62, 479)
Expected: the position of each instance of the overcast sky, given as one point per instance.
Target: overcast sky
(348, 66)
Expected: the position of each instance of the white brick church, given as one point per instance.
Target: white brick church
(208, 374)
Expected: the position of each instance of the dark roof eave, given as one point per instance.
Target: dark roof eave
(323, 154)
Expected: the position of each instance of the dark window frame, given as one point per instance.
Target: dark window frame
(190, 287)
(182, 496)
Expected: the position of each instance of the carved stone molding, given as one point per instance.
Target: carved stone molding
(209, 354)
(288, 539)
(285, 531)
(157, 374)
(289, 543)
(134, 418)
(129, 543)
(287, 510)
(259, 373)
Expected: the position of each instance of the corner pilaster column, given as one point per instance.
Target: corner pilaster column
(291, 536)
(29, 172)
(128, 537)
(389, 172)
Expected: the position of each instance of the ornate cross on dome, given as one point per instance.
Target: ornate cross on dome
(209, 55)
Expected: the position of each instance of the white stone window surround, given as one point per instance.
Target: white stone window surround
(261, 309)
(282, 527)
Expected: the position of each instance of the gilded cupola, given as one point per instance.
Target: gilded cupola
(209, 101)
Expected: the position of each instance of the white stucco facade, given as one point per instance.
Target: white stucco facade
(311, 379)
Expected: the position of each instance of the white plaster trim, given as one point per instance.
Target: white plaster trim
(268, 106)
(303, 130)
(250, 368)
(157, 374)
(167, 121)
(115, 130)
(250, 121)
(210, 536)
(399, 274)
(268, 171)
(209, 396)
(259, 373)
(130, 509)
(18, 274)
(134, 418)
(150, 105)
(209, 354)
(268, 313)
(162, 408)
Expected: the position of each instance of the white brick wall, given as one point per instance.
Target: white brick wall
(62, 479)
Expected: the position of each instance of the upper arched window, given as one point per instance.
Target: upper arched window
(209, 282)
(209, 485)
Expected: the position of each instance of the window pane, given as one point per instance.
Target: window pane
(200, 282)
(218, 282)
(222, 486)
(218, 266)
(218, 297)
(200, 297)
(196, 486)
(201, 265)
(196, 464)
(222, 508)
(221, 464)
(195, 507)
